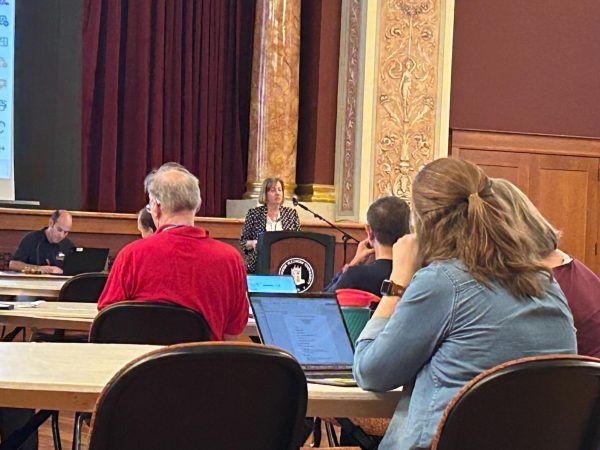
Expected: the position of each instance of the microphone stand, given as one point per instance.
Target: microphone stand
(345, 236)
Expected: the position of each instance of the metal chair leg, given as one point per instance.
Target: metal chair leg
(76, 431)
(316, 443)
(331, 436)
(9, 337)
(56, 431)
(79, 419)
(18, 437)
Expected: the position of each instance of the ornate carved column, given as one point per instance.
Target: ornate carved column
(349, 130)
(411, 102)
(394, 97)
(274, 102)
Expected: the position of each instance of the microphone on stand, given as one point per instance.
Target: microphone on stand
(345, 236)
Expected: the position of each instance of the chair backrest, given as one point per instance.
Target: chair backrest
(217, 396)
(356, 319)
(158, 323)
(548, 402)
(85, 287)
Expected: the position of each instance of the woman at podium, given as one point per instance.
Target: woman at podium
(270, 216)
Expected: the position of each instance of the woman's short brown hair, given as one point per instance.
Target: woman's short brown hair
(267, 184)
(458, 215)
(145, 219)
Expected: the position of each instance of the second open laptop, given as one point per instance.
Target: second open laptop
(85, 259)
(311, 327)
(271, 283)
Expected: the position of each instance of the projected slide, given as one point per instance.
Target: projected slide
(7, 58)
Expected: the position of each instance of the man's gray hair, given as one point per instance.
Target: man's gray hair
(174, 187)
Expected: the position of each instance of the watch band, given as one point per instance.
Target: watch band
(388, 287)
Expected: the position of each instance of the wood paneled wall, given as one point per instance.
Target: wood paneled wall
(561, 176)
(526, 66)
(116, 230)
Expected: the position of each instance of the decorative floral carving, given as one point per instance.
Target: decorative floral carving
(406, 92)
(352, 74)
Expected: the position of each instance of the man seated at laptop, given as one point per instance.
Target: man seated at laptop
(39, 251)
(387, 221)
(179, 263)
(44, 250)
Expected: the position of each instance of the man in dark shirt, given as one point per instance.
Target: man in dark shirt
(39, 251)
(387, 221)
(44, 250)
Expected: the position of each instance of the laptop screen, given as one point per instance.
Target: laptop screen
(272, 283)
(87, 259)
(310, 327)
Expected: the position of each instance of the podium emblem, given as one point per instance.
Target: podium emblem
(301, 270)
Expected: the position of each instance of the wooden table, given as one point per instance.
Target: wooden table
(72, 316)
(16, 283)
(59, 315)
(71, 376)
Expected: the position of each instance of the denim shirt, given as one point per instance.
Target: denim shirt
(446, 329)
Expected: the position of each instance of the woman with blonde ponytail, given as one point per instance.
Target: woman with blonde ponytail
(579, 284)
(468, 291)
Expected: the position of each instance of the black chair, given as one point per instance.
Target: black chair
(548, 402)
(85, 287)
(218, 396)
(152, 323)
(155, 323)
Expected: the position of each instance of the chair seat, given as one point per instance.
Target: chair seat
(356, 297)
(372, 426)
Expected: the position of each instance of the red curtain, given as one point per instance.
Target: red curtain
(165, 80)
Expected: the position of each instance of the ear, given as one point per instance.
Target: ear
(156, 213)
(370, 233)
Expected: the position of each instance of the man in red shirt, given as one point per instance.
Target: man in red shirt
(180, 263)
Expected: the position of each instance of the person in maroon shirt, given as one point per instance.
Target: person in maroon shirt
(579, 284)
(180, 263)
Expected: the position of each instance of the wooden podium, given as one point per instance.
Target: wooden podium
(308, 257)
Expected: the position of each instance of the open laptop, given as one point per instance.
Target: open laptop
(271, 283)
(85, 259)
(311, 327)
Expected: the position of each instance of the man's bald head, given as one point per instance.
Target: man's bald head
(59, 225)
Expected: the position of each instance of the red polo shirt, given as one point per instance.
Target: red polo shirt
(184, 266)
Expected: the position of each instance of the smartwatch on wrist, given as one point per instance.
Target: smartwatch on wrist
(388, 287)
